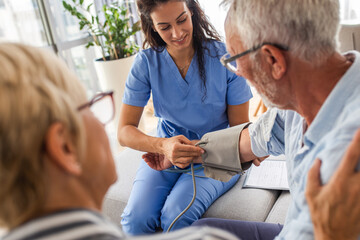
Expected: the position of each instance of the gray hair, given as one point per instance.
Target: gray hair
(308, 27)
(36, 90)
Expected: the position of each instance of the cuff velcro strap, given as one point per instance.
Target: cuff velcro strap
(221, 160)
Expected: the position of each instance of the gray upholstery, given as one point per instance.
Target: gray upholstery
(280, 207)
(238, 203)
(127, 162)
(247, 204)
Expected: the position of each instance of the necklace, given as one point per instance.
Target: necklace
(181, 69)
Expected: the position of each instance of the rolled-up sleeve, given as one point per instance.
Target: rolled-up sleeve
(267, 134)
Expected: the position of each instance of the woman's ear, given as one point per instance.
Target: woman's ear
(61, 150)
(276, 59)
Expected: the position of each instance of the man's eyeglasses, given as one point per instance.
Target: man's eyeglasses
(230, 62)
(102, 106)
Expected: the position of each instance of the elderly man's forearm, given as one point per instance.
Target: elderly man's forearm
(245, 152)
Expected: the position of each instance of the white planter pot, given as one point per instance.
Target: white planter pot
(112, 76)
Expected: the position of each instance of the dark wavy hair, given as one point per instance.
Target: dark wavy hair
(203, 31)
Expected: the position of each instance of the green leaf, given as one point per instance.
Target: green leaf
(81, 2)
(82, 24)
(66, 6)
(89, 44)
(79, 15)
(88, 7)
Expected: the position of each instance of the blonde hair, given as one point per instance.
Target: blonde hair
(308, 27)
(36, 90)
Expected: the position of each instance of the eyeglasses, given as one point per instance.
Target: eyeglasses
(102, 106)
(230, 62)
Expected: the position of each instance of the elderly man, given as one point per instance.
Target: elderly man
(287, 49)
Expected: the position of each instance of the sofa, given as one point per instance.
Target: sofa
(248, 204)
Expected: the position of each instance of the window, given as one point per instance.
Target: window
(44, 23)
(2, 4)
(20, 21)
(350, 11)
(66, 27)
(70, 43)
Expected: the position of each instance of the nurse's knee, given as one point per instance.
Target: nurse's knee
(139, 221)
(168, 215)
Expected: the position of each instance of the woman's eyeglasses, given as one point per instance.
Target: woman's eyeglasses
(102, 106)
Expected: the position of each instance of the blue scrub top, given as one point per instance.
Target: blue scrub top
(178, 102)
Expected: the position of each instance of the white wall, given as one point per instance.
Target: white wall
(350, 11)
(216, 14)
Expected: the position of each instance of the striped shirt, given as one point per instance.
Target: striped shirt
(85, 224)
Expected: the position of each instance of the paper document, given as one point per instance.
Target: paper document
(271, 174)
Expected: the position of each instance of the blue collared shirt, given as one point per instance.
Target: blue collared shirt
(284, 132)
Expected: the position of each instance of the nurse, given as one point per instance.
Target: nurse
(193, 94)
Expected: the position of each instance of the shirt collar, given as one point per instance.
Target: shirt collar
(335, 102)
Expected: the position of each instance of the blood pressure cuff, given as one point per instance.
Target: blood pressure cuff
(221, 160)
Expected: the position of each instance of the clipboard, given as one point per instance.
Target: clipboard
(271, 174)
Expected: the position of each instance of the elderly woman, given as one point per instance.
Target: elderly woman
(55, 160)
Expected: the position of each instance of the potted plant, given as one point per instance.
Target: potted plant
(114, 36)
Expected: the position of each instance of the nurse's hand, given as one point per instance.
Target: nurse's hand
(156, 161)
(180, 151)
(335, 206)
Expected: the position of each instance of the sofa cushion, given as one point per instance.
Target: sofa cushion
(246, 204)
(127, 163)
(280, 208)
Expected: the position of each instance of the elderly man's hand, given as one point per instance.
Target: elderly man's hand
(259, 160)
(335, 206)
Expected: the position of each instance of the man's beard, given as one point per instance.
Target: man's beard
(264, 85)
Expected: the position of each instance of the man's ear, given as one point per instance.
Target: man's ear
(61, 150)
(276, 59)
